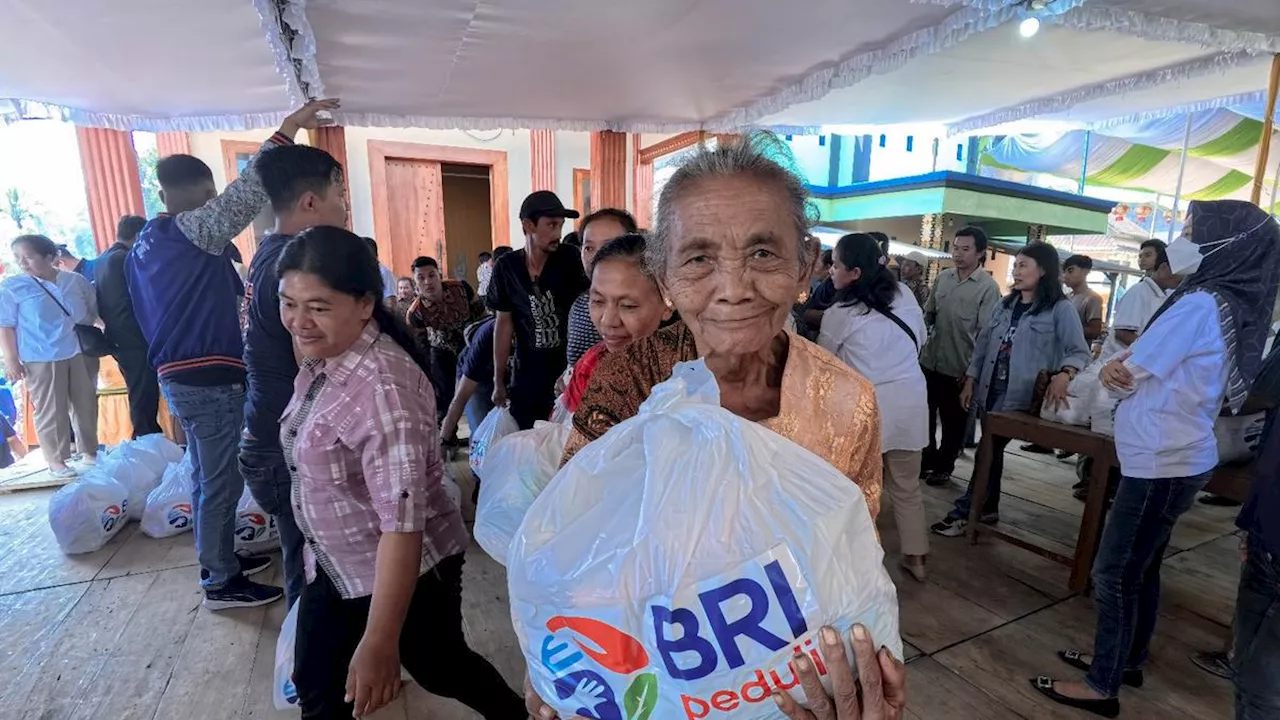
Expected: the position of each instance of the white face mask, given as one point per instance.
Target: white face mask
(1184, 256)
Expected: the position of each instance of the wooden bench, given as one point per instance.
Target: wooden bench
(1232, 481)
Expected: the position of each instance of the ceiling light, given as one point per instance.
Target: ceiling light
(1029, 27)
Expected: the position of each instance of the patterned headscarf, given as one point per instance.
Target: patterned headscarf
(1241, 275)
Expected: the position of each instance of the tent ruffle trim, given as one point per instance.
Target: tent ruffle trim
(14, 109)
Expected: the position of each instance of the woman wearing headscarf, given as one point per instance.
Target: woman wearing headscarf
(731, 251)
(385, 544)
(1200, 351)
(876, 326)
(1034, 329)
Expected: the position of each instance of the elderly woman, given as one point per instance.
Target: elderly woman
(39, 311)
(731, 252)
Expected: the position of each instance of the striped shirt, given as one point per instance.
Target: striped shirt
(364, 459)
(582, 332)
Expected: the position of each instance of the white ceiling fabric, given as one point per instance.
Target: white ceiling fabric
(628, 65)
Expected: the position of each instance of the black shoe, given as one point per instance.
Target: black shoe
(241, 593)
(1132, 678)
(1080, 485)
(937, 478)
(1106, 708)
(1038, 449)
(1064, 454)
(1217, 663)
(1217, 501)
(249, 565)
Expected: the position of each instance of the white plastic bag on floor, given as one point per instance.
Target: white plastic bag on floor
(146, 455)
(160, 445)
(1238, 436)
(496, 425)
(517, 470)
(168, 510)
(129, 468)
(284, 692)
(87, 513)
(256, 531)
(676, 564)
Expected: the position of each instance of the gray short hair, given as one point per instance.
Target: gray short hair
(758, 154)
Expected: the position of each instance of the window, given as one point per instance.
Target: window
(822, 141)
(882, 140)
(911, 141)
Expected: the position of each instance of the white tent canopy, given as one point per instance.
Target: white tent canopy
(651, 66)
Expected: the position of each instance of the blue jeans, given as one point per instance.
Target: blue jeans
(479, 405)
(1126, 573)
(265, 472)
(1257, 648)
(212, 417)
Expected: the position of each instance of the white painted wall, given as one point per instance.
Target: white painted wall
(572, 150)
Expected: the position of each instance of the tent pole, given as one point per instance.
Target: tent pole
(1182, 168)
(1155, 209)
(1268, 126)
(1275, 188)
(1084, 163)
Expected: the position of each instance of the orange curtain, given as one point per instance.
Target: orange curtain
(542, 156)
(111, 181)
(172, 143)
(333, 140)
(608, 169)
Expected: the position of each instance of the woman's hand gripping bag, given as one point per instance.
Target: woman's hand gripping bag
(516, 471)
(675, 565)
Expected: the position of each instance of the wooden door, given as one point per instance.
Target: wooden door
(415, 214)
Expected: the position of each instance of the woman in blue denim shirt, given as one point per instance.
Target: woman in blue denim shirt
(1034, 328)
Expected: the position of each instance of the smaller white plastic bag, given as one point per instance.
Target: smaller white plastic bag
(496, 425)
(255, 530)
(87, 513)
(283, 691)
(146, 455)
(1080, 399)
(519, 467)
(160, 445)
(132, 470)
(168, 510)
(1238, 436)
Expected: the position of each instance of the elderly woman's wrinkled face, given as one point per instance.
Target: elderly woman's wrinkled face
(733, 267)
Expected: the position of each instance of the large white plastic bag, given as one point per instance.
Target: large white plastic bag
(1238, 436)
(168, 510)
(160, 445)
(689, 515)
(1102, 412)
(87, 513)
(515, 473)
(147, 455)
(283, 690)
(256, 531)
(496, 425)
(131, 469)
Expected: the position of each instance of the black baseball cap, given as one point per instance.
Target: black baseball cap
(545, 203)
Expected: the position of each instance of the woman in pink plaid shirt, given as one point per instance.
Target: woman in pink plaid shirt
(384, 544)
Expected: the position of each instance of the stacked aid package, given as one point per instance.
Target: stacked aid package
(674, 566)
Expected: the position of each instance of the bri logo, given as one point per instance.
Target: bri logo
(251, 526)
(722, 646)
(112, 514)
(179, 516)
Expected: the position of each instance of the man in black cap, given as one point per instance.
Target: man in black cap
(531, 292)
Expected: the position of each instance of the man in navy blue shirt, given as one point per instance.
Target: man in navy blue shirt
(305, 187)
(1257, 624)
(474, 388)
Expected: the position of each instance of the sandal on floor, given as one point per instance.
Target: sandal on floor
(1108, 708)
(916, 571)
(1132, 678)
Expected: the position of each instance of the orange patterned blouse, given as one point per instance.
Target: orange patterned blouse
(827, 408)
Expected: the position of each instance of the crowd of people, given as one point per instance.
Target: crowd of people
(331, 387)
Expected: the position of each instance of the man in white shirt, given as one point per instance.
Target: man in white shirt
(1141, 301)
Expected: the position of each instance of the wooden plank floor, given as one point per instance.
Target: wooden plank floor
(120, 633)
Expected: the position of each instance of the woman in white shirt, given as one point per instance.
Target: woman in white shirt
(876, 326)
(1201, 350)
(39, 310)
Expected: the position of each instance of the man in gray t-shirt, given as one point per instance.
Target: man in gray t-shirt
(960, 303)
(1075, 275)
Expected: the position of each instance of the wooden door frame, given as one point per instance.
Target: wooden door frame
(230, 149)
(580, 203)
(496, 160)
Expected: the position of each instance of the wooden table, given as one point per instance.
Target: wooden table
(1077, 439)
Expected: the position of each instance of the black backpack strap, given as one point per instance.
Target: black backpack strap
(898, 321)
